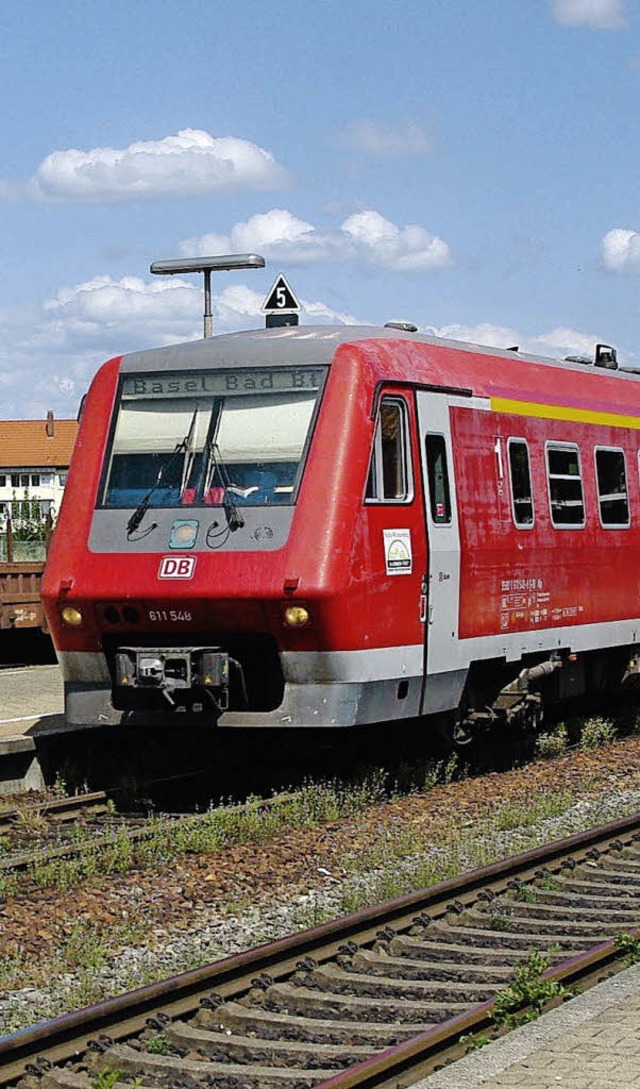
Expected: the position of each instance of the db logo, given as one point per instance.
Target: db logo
(177, 567)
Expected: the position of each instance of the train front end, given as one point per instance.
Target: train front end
(182, 581)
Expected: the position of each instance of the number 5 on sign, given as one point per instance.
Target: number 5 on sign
(280, 299)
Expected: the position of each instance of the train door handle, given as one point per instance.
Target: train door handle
(423, 601)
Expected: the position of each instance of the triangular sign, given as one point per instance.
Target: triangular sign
(280, 299)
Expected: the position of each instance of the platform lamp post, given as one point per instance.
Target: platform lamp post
(207, 265)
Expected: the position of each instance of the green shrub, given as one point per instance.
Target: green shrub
(527, 995)
(553, 743)
(596, 732)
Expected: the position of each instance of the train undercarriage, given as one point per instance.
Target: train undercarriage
(494, 695)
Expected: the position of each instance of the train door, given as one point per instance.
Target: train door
(444, 672)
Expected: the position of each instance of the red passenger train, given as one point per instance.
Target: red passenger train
(326, 527)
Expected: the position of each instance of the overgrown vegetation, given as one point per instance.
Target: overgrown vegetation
(553, 743)
(596, 732)
(630, 946)
(28, 521)
(529, 992)
(115, 851)
(522, 1000)
(389, 857)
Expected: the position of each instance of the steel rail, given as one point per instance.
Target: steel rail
(42, 854)
(432, 1045)
(57, 808)
(67, 1035)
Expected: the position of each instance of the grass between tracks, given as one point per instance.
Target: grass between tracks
(387, 858)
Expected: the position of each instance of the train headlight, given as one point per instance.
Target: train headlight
(296, 616)
(71, 616)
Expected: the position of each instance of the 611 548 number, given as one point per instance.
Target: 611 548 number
(170, 615)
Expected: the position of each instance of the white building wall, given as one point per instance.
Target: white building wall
(44, 484)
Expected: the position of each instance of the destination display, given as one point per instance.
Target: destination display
(216, 383)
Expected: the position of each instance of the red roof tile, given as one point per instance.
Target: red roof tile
(25, 444)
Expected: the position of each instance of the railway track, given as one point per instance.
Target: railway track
(361, 1000)
(55, 810)
(36, 832)
(51, 844)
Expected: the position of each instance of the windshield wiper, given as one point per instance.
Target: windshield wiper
(232, 514)
(189, 453)
(181, 448)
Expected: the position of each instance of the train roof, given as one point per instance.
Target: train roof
(316, 344)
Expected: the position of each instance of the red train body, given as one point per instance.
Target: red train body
(333, 527)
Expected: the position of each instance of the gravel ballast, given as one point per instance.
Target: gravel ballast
(113, 933)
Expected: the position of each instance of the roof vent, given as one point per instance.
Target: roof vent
(606, 356)
(50, 425)
(404, 326)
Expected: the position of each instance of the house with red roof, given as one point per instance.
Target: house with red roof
(34, 459)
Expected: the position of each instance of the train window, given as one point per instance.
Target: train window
(438, 474)
(389, 478)
(565, 486)
(521, 490)
(611, 478)
(201, 437)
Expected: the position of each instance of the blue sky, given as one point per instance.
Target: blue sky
(472, 166)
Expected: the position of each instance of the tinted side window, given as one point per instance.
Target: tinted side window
(389, 474)
(438, 477)
(612, 487)
(565, 486)
(520, 476)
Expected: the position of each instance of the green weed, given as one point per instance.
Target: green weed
(526, 894)
(526, 996)
(513, 815)
(500, 920)
(553, 743)
(159, 1045)
(106, 1079)
(630, 946)
(473, 1042)
(596, 732)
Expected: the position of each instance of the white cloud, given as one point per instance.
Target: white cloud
(493, 336)
(104, 308)
(620, 251)
(134, 313)
(385, 140)
(190, 163)
(365, 236)
(557, 343)
(597, 14)
(405, 249)
(49, 355)
(276, 234)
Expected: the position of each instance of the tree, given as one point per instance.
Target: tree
(28, 521)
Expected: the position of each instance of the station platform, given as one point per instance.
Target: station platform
(590, 1042)
(31, 707)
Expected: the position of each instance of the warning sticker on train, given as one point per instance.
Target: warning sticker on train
(177, 567)
(397, 551)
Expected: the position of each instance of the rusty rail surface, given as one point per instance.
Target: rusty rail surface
(60, 809)
(419, 971)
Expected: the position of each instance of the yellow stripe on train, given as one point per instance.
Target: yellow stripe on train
(560, 412)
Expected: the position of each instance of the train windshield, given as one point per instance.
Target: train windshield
(206, 437)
